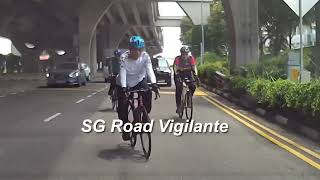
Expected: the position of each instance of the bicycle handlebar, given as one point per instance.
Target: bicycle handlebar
(138, 91)
(187, 80)
(142, 91)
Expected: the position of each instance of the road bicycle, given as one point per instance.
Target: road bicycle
(137, 113)
(114, 99)
(114, 96)
(186, 100)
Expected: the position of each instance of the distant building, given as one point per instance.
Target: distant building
(309, 37)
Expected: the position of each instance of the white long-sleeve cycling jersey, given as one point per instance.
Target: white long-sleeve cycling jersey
(134, 71)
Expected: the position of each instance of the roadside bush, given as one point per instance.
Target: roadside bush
(258, 88)
(297, 96)
(239, 85)
(211, 57)
(207, 71)
(273, 93)
(269, 68)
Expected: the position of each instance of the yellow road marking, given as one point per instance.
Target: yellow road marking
(312, 153)
(167, 93)
(197, 93)
(292, 151)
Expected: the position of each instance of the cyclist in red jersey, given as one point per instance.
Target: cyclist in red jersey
(184, 66)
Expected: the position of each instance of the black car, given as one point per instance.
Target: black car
(162, 70)
(67, 74)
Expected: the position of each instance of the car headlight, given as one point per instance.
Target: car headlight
(47, 75)
(74, 74)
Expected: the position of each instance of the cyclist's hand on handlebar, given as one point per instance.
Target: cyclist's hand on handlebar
(197, 81)
(125, 90)
(155, 88)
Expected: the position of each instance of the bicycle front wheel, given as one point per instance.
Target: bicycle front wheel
(145, 137)
(189, 105)
(181, 108)
(114, 100)
(132, 119)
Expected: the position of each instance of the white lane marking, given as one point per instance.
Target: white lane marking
(94, 93)
(13, 93)
(2, 96)
(89, 96)
(52, 117)
(80, 101)
(21, 91)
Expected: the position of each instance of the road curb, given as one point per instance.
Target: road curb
(261, 111)
(276, 118)
(309, 132)
(281, 120)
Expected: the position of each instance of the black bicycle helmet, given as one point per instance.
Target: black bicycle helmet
(185, 49)
(117, 53)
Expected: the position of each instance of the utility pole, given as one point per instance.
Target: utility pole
(202, 33)
(301, 40)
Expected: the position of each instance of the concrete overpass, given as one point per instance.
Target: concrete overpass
(90, 30)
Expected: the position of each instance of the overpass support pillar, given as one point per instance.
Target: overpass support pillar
(243, 31)
(91, 12)
(93, 59)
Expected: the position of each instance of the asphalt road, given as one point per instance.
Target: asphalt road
(41, 138)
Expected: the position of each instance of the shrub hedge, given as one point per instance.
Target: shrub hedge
(208, 70)
(265, 82)
(281, 94)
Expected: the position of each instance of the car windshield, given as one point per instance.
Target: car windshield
(163, 63)
(67, 66)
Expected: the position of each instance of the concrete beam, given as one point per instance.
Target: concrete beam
(137, 18)
(168, 23)
(122, 13)
(110, 17)
(116, 34)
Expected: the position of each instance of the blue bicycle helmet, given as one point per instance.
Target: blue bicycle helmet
(117, 53)
(136, 42)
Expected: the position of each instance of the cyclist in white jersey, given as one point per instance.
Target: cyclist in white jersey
(135, 68)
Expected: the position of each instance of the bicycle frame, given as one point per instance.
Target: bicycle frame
(185, 87)
(132, 99)
(185, 102)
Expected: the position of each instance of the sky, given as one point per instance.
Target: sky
(171, 35)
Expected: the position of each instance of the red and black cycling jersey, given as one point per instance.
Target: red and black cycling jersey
(188, 64)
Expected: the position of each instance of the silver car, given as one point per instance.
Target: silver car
(67, 74)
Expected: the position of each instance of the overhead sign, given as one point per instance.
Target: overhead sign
(306, 5)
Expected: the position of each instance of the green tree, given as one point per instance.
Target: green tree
(186, 31)
(217, 29)
(215, 33)
(317, 21)
(277, 22)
